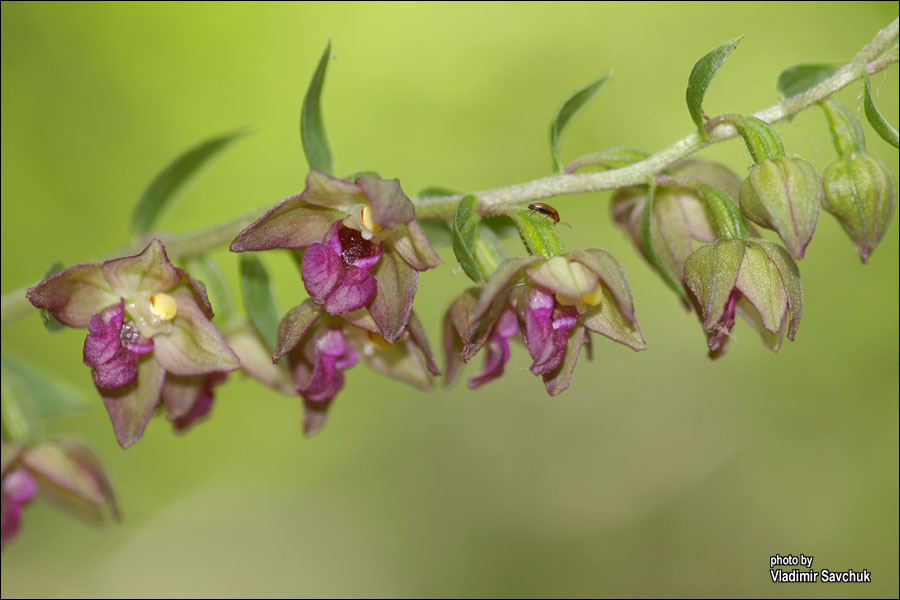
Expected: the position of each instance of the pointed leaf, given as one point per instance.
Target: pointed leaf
(878, 123)
(258, 299)
(701, 76)
(312, 127)
(799, 78)
(165, 187)
(568, 109)
(465, 229)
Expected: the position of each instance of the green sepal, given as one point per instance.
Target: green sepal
(538, 232)
(671, 279)
(761, 140)
(465, 232)
(50, 322)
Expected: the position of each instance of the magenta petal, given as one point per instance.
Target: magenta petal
(321, 270)
(545, 340)
(333, 354)
(19, 488)
(353, 292)
(189, 399)
(354, 249)
(718, 336)
(112, 364)
(497, 349)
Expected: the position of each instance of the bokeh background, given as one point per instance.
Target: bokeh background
(657, 473)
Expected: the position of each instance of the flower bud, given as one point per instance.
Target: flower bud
(860, 192)
(783, 194)
(678, 223)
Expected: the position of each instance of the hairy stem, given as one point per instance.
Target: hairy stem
(874, 57)
(492, 202)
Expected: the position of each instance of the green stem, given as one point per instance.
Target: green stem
(14, 306)
(493, 202)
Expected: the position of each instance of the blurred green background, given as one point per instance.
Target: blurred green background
(657, 473)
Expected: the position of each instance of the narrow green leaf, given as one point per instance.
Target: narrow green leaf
(701, 76)
(258, 299)
(465, 230)
(30, 395)
(568, 109)
(538, 233)
(206, 270)
(312, 127)
(50, 322)
(165, 187)
(799, 78)
(878, 123)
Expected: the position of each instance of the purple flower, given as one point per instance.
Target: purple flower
(147, 320)
(756, 279)
(319, 349)
(364, 248)
(18, 488)
(556, 301)
(189, 399)
(62, 470)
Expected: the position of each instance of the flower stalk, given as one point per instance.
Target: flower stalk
(873, 58)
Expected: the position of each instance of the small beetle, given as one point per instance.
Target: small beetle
(545, 209)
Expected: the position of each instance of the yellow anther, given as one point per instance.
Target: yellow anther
(163, 307)
(594, 298)
(366, 218)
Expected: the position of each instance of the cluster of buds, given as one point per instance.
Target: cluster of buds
(62, 471)
(691, 230)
